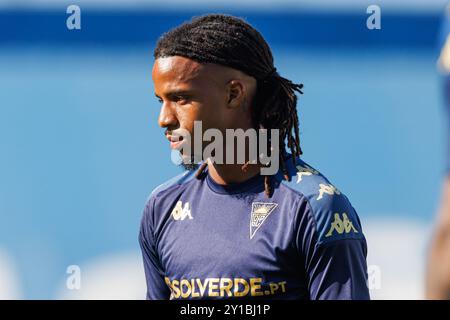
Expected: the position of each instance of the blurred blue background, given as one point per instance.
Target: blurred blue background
(80, 148)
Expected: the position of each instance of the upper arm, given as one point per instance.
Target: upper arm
(338, 271)
(334, 249)
(157, 289)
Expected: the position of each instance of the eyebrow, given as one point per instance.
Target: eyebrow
(176, 93)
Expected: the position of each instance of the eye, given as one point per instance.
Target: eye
(159, 100)
(181, 99)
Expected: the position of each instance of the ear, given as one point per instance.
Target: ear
(236, 93)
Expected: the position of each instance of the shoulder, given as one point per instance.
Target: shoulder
(175, 182)
(169, 189)
(331, 211)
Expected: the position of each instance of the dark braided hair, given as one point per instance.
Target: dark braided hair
(230, 41)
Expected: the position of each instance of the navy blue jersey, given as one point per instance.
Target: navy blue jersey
(202, 240)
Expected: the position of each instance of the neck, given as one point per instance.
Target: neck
(231, 173)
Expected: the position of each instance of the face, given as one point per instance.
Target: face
(189, 91)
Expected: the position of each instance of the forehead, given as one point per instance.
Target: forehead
(176, 69)
(179, 73)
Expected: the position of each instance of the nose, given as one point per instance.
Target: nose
(167, 117)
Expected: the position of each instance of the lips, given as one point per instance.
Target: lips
(175, 141)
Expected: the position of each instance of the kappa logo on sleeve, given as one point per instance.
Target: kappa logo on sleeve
(181, 212)
(328, 189)
(260, 212)
(305, 170)
(344, 225)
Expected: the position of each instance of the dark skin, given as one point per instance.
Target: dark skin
(218, 96)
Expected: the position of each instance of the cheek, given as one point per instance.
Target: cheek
(186, 115)
(211, 111)
(214, 115)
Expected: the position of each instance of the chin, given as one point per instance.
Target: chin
(189, 166)
(188, 162)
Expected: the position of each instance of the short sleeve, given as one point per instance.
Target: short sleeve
(334, 251)
(157, 289)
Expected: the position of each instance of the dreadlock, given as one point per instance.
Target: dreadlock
(230, 41)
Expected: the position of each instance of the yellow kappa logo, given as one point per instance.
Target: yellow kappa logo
(328, 189)
(181, 212)
(305, 171)
(341, 225)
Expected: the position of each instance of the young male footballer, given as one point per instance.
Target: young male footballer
(226, 230)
